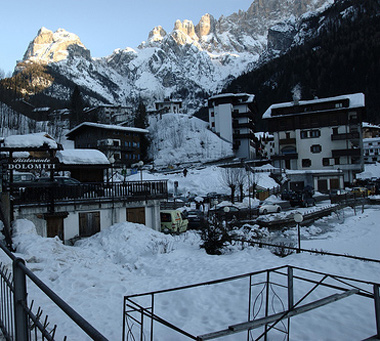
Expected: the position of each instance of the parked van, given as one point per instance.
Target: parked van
(173, 221)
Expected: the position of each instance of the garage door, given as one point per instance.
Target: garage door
(136, 215)
(89, 223)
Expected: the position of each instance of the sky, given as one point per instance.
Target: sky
(102, 26)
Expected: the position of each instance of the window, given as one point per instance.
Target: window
(326, 162)
(335, 131)
(316, 148)
(287, 135)
(337, 161)
(315, 133)
(288, 150)
(310, 133)
(306, 162)
(213, 124)
(212, 114)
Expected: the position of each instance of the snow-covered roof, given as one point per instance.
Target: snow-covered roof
(262, 134)
(355, 101)
(371, 139)
(370, 125)
(316, 171)
(107, 126)
(35, 140)
(250, 98)
(82, 156)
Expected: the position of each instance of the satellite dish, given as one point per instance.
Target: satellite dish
(298, 217)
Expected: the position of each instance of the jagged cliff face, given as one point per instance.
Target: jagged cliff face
(49, 47)
(191, 62)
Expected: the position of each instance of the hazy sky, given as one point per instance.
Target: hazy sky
(102, 25)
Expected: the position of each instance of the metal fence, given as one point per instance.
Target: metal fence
(129, 191)
(20, 318)
(272, 298)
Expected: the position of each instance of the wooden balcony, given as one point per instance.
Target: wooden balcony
(290, 156)
(287, 141)
(347, 136)
(36, 193)
(346, 152)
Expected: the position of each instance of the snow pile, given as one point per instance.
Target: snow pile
(82, 156)
(204, 180)
(35, 140)
(137, 240)
(95, 274)
(179, 138)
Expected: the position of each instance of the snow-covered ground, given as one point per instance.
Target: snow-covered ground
(124, 259)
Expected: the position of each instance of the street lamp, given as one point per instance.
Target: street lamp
(298, 218)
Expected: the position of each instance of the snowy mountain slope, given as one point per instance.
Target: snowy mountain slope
(191, 62)
(178, 138)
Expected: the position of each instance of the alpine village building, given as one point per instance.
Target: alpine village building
(120, 144)
(232, 117)
(319, 135)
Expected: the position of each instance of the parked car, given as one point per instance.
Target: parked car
(195, 217)
(226, 212)
(268, 207)
(360, 191)
(173, 221)
(64, 186)
(61, 180)
(19, 177)
(302, 199)
(337, 192)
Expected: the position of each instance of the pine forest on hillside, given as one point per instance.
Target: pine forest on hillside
(343, 59)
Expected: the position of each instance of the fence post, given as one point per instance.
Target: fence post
(21, 319)
(377, 308)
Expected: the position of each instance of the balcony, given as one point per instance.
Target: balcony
(36, 193)
(346, 136)
(287, 141)
(289, 156)
(250, 136)
(346, 152)
(249, 114)
(249, 125)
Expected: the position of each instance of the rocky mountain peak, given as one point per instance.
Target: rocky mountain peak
(48, 47)
(157, 34)
(184, 32)
(205, 26)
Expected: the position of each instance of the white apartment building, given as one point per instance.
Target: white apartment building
(320, 134)
(232, 117)
(371, 150)
(169, 106)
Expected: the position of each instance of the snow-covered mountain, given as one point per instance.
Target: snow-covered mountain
(179, 138)
(190, 62)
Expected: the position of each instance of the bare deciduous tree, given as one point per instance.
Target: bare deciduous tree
(234, 178)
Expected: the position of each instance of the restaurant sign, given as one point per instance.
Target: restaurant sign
(29, 164)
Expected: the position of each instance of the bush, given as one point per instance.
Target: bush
(282, 249)
(214, 237)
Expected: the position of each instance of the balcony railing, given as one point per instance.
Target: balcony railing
(287, 141)
(346, 152)
(87, 192)
(288, 156)
(346, 136)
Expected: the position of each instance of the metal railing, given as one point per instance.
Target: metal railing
(273, 297)
(20, 320)
(129, 191)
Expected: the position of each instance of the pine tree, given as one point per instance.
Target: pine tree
(141, 121)
(76, 107)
